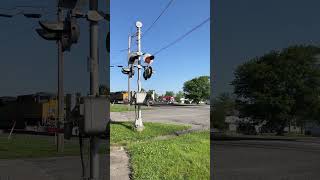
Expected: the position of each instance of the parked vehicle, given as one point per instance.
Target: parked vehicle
(168, 99)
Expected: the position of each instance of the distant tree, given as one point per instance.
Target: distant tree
(169, 93)
(179, 95)
(280, 87)
(149, 94)
(222, 106)
(197, 89)
(156, 96)
(143, 90)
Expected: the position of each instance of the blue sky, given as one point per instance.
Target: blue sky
(29, 63)
(242, 30)
(183, 61)
(245, 29)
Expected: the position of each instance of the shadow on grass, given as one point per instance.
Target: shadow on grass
(124, 124)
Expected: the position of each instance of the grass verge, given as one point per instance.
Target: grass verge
(178, 157)
(122, 133)
(34, 146)
(183, 157)
(124, 107)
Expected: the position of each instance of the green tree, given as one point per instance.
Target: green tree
(197, 89)
(156, 96)
(179, 95)
(169, 93)
(222, 106)
(149, 94)
(280, 87)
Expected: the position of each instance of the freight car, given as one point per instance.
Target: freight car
(119, 97)
(30, 112)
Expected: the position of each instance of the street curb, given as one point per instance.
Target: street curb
(220, 137)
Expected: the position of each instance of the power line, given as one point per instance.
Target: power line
(183, 36)
(144, 33)
(163, 11)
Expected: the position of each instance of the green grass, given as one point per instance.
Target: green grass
(123, 132)
(34, 146)
(124, 107)
(176, 157)
(183, 157)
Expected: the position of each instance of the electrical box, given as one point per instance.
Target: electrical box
(140, 97)
(96, 115)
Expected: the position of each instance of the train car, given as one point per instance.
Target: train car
(119, 97)
(36, 110)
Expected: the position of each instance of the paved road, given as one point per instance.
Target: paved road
(57, 168)
(196, 116)
(266, 160)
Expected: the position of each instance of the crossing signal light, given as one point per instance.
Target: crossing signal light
(147, 72)
(71, 32)
(125, 70)
(131, 73)
(52, 26)
(68, 31)
(47, 35)
(148, 58)
(133, 57)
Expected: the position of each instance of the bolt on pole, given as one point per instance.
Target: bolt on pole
(60, 136)
(94, 90)
(138, 122)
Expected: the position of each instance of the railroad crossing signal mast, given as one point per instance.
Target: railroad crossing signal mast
(134, 60)
(95, 108)
(66, 32)
(138, 121)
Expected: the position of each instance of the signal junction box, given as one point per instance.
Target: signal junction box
(139, 97)
(96, 115)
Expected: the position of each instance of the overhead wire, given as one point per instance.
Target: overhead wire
(183, 36)
(153, 23)
(162, 12)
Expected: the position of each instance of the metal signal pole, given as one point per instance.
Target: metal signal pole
(94, 89)
(138, 121)
(60, 136)
(129, 51)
